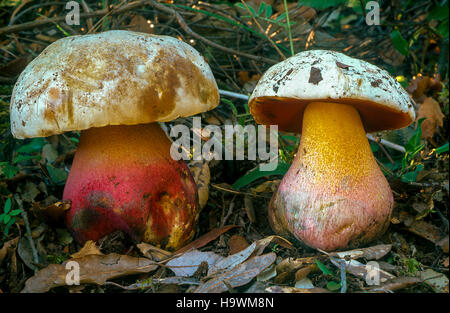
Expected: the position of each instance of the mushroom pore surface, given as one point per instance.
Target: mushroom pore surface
(334, 194)
(123, 178)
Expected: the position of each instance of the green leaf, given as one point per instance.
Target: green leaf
(6, 230)
(242, 6)
(15, 212)
(374, 147)
(323, 268)
(8, 205)
(21, 158)
(438, 13)
(58, 175)
(262, 8)
(250, 177)
(442, 149)
(2, 216)
(399, 42)
(411, 177)
(34, 146)
(414, 141)
(269, 11)
(6, 219)
(320, 4)
(281, 17)
(443, 29)
(8, 170)
(333, 286)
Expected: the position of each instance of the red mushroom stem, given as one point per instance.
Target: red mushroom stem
(123, 178)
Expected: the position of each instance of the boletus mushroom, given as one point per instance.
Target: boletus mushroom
(114, 87)
(334, 195)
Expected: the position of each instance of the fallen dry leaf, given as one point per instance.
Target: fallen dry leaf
(249, 209)
(52, 213)
(239, 275)
(395, 284)
(139, 24)
(286, 289)
(293, 264)
(15, 67)
(426, 230)
(418, 86)
(94, 269)
(232, 260)
(11, 244)
(364, 270)
(205, 239)
(268, 186)
(152, 252)
(201, 174)
(370, 253)
(304, 271)
(267, 274)
(443, 243)
(304, 283)
(187, 264)
(263, 243)
(430, 110)
(237, 243)
(89, 248)
(437, 281)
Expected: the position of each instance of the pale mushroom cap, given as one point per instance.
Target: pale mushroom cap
(111, 78)
(283, 92)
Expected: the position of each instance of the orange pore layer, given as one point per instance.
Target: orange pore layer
(123, 178)
(334, 194)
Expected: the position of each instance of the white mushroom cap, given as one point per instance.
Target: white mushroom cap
(284, 91)
(111, 78)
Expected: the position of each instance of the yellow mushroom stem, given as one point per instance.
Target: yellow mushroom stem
(334, 194)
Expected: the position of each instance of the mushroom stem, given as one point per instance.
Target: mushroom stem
(334, 194)
(123, 178)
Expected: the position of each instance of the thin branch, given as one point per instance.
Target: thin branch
(263, 32)
(188, 30)
(28, 230)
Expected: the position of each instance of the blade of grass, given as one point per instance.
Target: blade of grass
(291, 43)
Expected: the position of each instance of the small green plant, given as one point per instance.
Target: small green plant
(8, 217)
(409, 167)
(332, 285)
(56, 259)
(411, 266)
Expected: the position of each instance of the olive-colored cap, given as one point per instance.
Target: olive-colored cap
(284, 91)
(111, 78)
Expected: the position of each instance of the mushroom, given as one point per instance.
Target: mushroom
(114, 87)
(334, 195)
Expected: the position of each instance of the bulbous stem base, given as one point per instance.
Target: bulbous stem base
(334, 194)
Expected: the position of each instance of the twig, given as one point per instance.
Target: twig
(233, 94)
(262, 31)
(236, 192)
(388, 144)
(188, 30)
(29, 25)
(28, 229)
(87, 9)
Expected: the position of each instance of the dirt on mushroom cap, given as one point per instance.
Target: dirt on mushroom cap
(111, 78)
